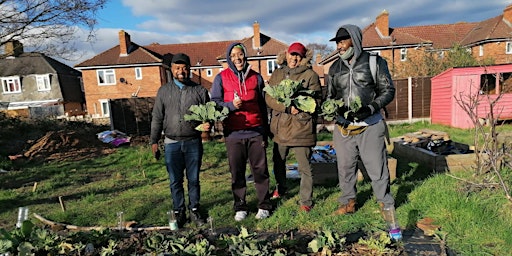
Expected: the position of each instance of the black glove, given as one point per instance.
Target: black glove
(342, 111)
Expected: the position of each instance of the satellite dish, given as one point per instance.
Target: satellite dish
(122, 80)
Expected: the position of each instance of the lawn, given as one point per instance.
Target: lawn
(472, 212)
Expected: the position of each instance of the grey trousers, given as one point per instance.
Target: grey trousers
(371, 148)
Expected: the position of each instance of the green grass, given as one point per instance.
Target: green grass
(473, 221)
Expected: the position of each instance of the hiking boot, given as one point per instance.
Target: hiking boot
(305, 208)
(348, 208)
(181, 218)
(196, 217)
(240, 215)
(262, 214)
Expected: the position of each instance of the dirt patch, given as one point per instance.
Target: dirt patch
(64, 145)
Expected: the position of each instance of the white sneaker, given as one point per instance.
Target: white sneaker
(262, 214)
(240, 215)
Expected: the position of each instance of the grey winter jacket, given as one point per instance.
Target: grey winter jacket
(171, 104)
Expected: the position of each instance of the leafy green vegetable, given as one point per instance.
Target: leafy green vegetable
(209, 112)
(330, 108)
(354, 105)
(290, 92)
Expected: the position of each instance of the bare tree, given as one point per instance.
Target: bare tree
(47, 26)
(490, 158)
(322, 49)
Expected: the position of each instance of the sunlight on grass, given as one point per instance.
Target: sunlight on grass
(476, 219)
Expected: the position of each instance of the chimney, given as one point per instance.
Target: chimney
(382, 23)
(13, 48)
(507, 14)
(256, 41)
(124, 43)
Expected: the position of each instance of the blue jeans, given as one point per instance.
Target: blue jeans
(180, 156)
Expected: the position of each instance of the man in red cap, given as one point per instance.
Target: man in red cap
(294, 129)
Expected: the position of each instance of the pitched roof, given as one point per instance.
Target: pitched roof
(200, 53)
(493, 28)
(111, 57)
(34, 63)
(440, 36)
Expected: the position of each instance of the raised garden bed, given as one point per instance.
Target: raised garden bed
(434, 150)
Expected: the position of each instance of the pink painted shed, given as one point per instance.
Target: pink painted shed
(463, 85)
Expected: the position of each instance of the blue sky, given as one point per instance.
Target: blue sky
(182, 21)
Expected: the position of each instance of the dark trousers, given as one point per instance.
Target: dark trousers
(240, 151)
(181, 156)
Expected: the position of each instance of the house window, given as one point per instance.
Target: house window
(481, 50)
(209, 72)
(375, 52)
(11, 84)
(271, 66)
(105, 108)
(138, 73)
(43, 82)
(488, 84)
(440, 54)
(508, 49)
(403, 54)
(106, 76)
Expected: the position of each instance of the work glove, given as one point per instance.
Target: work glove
(364, 112)
(342, 110)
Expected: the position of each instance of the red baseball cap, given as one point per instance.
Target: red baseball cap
(297, 48)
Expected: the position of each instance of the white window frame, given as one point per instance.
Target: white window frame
(106, 76)
(376, 52)
(10, 82)
(481, 50)
(209, 72)
(508, 48)
(138, 73)
(403, 54)
(105, 108)
(43, 82)
(271, 66)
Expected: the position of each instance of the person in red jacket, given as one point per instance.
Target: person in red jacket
(240, 89)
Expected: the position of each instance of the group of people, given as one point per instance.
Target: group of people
(359, 134)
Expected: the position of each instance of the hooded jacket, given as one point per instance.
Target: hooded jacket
(171, 104)
(350, 80)
(248, 85)
(288, 129)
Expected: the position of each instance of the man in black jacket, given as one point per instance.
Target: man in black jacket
(183, 145)
(360, 129)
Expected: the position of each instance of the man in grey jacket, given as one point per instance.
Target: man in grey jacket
(183, 148)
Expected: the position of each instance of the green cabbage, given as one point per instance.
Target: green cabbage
(206, 113)
(330, 108)
(290, 92)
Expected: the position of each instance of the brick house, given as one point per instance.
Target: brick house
(37, 86)
(401, 46)
(130, 70)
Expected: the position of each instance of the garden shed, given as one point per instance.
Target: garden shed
(458, 87)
